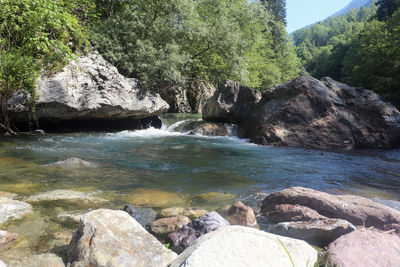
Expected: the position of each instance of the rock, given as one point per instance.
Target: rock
(186, 236)
(288, 213)
(73, 163)
(325, 114)
(177, 211)
(113, 238)
(165, 226)
(318, 233)
(65, 195)
(213, 129)
(13, 209)
(357, 210)
(144, 216)
(244, 246)
(69, 218)
(43, 260)
(2, 264)
(88, 88)
(231, 103)
(367, 248)
(213, 197)
(190, 99)
(7, 238)
(155, 198)
(6, 195)
(240, 214)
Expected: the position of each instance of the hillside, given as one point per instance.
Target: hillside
(353, 4)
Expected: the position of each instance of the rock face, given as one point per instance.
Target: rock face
(165, 226)
(322, 114)
(240, 214)
(244, 246)
(73, 163)
(13, 209)
(367, 248)
(44, 260)
(317, 232)
(7, 238)
(144, 216)
(231, 103)
(113, 238)
(357, 210)
(190, 99)
(188, 234)
(89, 88)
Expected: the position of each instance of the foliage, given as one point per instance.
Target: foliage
(35, 35)
(167, 43)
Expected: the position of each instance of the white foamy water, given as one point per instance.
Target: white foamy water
(147, 133)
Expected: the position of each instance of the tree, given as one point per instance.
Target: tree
(278, 8)
(386, 8)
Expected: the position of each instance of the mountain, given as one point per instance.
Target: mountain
(353, 4)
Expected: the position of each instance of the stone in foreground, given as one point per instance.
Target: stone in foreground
(7, 238)
(366, 248)
(238, 246)
(114, 239)
(317, 232)
(165, 226)
(288, 213)
(240, 214)
(144, 216)
(357, 210)
(325, 114)
(13, 209)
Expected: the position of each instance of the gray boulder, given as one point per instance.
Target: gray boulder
(144, 216)
(367, 248)
(325, 114)
(238, 246)
(89, 88)
(231, 103)
(317, 232)
(113, 238)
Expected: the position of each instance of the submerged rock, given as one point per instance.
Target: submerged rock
(367, 248)
(316, 232)
(65, 195)
(43, 260)
(113, 238)
(13, 209)
(357, 210)
(244, 246)
(144, 216)
(213, 197)
(89, 88)
(188, 234)
(322, 114)
(176, 211)
(7, 238)
(155, 198)
(73, 163)
(212, 129)
(165, 226)
(231, 103)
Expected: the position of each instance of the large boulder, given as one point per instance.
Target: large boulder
(13, 209)
(289, 213)
(243, 246)
(231, 103)
(317, 232)
(323, 114)
(114, 238)
(367, 248)
(189, 99)
(357, 210)
(89, 88)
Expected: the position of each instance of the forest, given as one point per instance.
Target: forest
(169, 43)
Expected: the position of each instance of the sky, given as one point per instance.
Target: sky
(302, 13)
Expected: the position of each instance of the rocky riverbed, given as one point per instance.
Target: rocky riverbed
(281, 230)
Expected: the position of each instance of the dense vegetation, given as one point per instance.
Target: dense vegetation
(360, 48)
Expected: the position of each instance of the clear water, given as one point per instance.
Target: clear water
(158, 161)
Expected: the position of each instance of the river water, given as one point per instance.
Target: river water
(191, 171)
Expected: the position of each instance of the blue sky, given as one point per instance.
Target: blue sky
(301, 13)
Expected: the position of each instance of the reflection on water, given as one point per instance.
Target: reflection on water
(184, 167)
